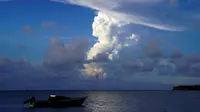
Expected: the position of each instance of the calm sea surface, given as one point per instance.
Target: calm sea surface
(109, 101)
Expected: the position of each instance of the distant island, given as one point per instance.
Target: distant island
(187, 87)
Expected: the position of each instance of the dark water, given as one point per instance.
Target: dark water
(109, 101)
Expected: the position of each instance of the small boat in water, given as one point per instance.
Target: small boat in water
(55, 102)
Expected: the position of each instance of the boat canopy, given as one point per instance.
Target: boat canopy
(52, 95)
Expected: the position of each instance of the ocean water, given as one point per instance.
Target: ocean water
(109, 101)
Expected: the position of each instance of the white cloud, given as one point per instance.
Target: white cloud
(112, 36)
(136, 11)
(93, 69)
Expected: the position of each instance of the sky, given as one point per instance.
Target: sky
(95, 44)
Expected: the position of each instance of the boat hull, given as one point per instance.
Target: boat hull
(58, 104)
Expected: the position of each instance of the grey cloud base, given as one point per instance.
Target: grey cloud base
(78, 74)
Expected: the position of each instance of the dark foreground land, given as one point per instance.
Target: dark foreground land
(187, 87)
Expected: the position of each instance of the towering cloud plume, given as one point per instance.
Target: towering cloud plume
(110, 24)
(111, 36)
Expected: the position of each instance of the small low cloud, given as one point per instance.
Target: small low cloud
(53, 25)
(93, 69)
(48, 24)
(29, 29)
(65, 56)
(152, 49)
(177, 54)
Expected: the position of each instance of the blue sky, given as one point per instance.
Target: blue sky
(42, 30)
(72, 21)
